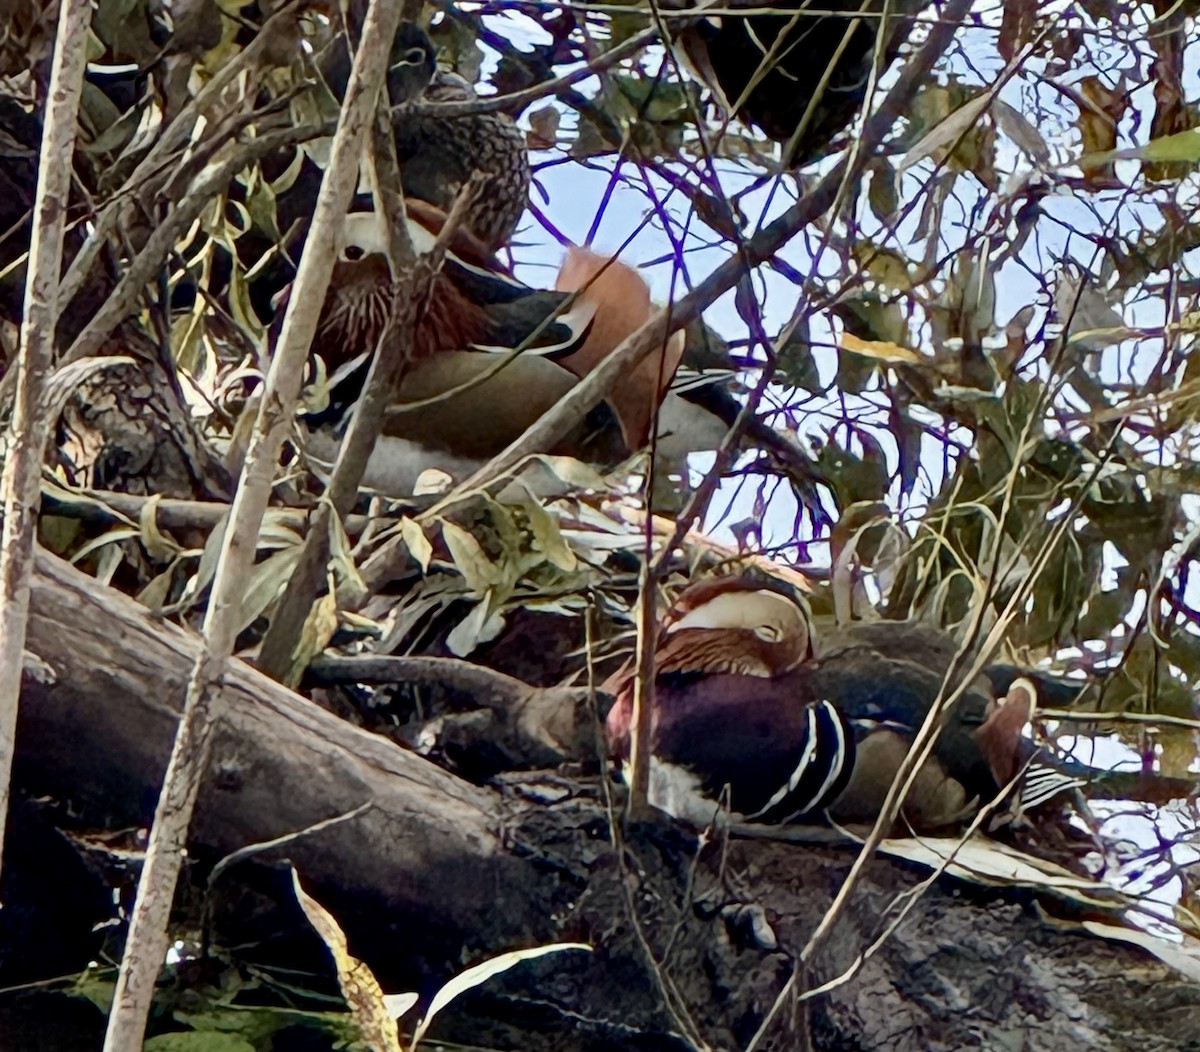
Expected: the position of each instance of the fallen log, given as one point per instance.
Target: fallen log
(428, 872)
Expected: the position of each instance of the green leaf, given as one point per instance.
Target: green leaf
(1182, 147)
(469, 558)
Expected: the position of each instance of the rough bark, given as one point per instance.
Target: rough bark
(436, 872)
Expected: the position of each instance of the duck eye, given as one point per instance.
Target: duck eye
(770, 633)
(353, 253)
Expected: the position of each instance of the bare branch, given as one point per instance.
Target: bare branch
(30, 424)
(147, 941)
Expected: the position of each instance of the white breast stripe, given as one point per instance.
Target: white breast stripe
(473, 268)
(350, 367)
(839, 762)
(807, 756)
(837, 727)
(825, 747)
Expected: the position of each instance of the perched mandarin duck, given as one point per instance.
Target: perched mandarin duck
(439, 153)
(747, 716)
(513, 350)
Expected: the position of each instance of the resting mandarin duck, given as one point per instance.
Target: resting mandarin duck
(746, 714)
(476, 315)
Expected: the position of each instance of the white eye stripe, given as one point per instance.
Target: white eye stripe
(756, 610)
(364, 234)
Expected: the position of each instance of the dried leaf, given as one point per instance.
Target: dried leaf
(1091, 322)
(879, 350)
(157, 543)
(267, 580)
(575, 474)
(398, 1005)
(113, 536)
(154, 595)
(881, 191)
(947, 132)
(481, 625)
(359, 986)
(1098, 121)
(548, 538)
(544, 128)
(319, 627)
(352, 589)
(1024, 134)
(470, 559)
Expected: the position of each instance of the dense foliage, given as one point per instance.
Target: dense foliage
(966, 349)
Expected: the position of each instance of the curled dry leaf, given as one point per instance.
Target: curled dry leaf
(947, 132)
(543, 126)
(1098, 119)
(469, 558)
(359, 986)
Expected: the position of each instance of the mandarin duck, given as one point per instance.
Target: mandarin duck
(475, 317)
(748, 714)
(439, 154)
(766, 67)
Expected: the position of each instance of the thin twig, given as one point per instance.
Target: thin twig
(174, 137)
(518, 100)
(104, 507)
(148, 938)
(162, 242)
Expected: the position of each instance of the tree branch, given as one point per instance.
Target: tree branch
(30, 427)
(147, 941)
